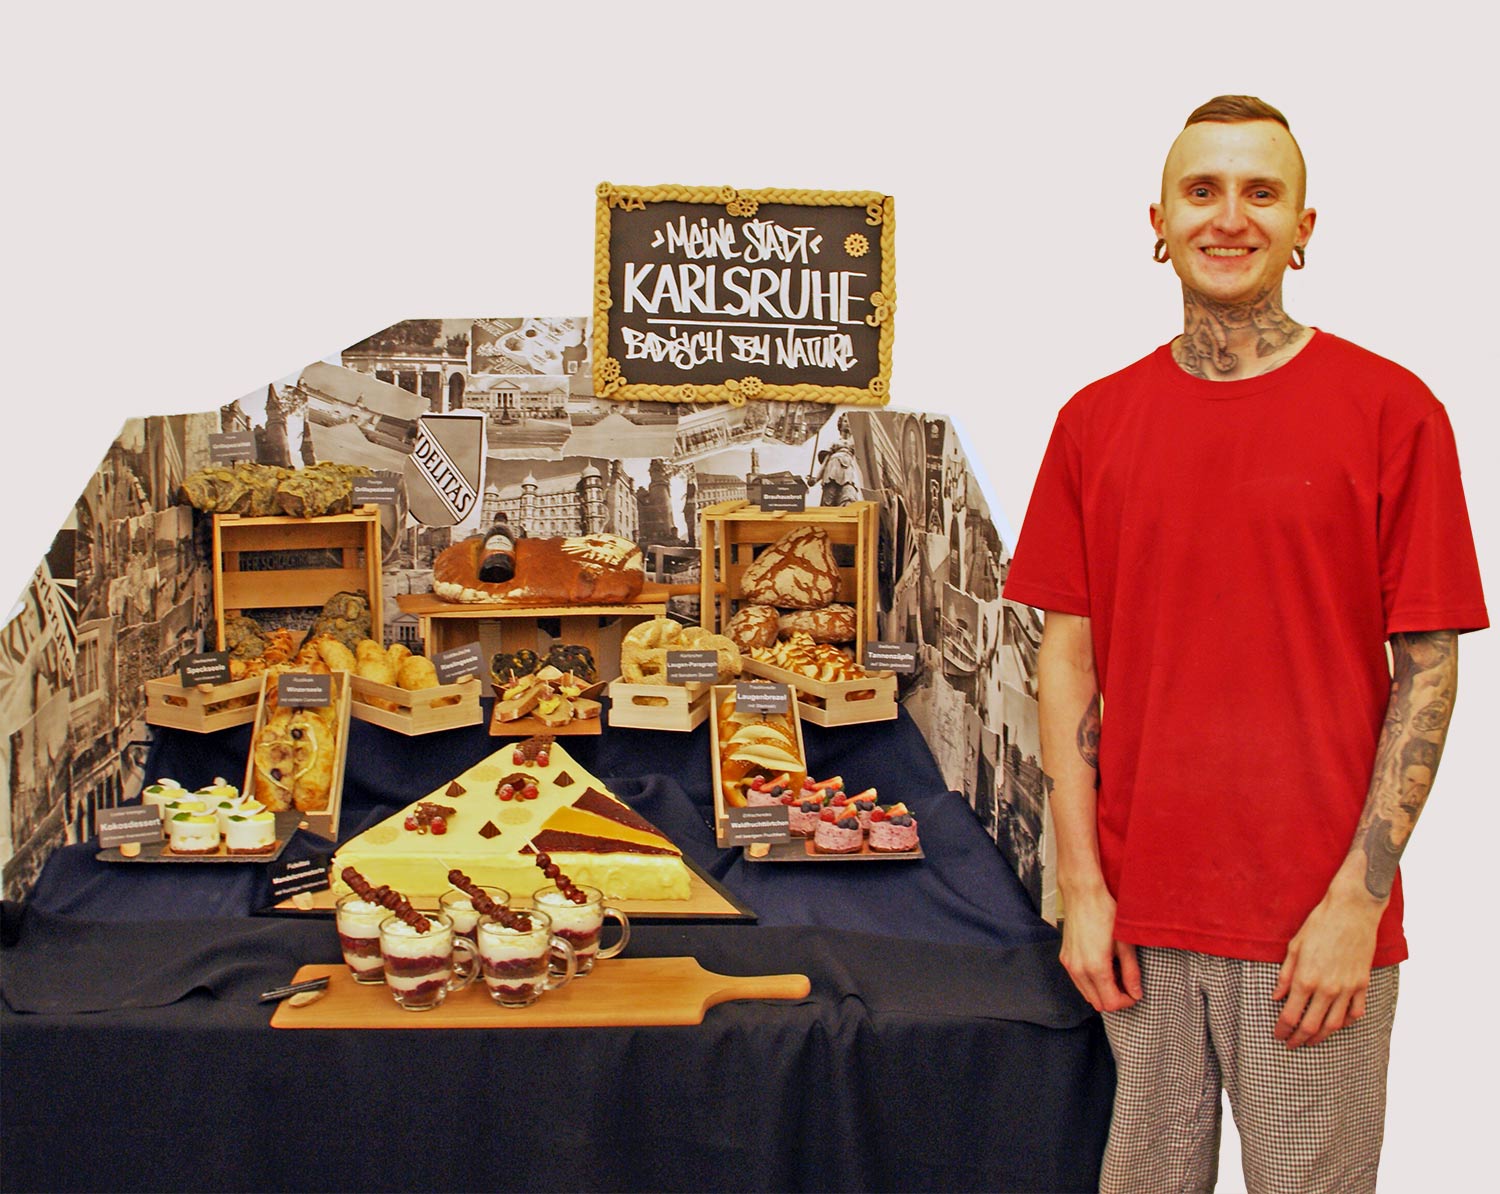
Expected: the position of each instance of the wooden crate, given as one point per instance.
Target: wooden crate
(419, 709)
(720, 693)
(356, 536)
(200, 707)
(446, 624)
(733, 532)
(835, 702)
(639, 707)
(326, 823)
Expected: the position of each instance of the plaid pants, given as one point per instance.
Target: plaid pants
(1310, 1119)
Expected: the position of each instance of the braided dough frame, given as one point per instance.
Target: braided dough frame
(608, 382)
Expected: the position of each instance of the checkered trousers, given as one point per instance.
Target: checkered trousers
(1310, 1119)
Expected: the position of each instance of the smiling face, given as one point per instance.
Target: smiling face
(1231, 208)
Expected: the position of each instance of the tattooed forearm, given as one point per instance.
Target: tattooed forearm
(1088, 733)
(1203, 349)
(1423, 687)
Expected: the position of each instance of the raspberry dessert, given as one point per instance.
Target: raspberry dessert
(893, 830)
(802, 816)
(418, 964)
(838, 831)
(864, 804)
(358, 922)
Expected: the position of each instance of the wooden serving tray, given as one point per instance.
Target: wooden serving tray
(621, 991)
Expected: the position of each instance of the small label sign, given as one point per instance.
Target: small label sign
(374, 490)
(211, 667)
(227, 447)
(768, 823)
(761, 698)
(453, 665)
(132, 823)
(299, 875)
(296, 690)
(783, 496)
(900, 658)
(692, 667)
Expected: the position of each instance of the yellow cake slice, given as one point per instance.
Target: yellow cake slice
(590, 833)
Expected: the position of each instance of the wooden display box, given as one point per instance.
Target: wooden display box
(444, 625)
(201, 708)
(355, 536)
(679, 708)
(717, 697)
(420, 711)
(325, 823)
(835, 702)
(733, 532)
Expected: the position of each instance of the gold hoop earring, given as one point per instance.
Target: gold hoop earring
(1159, 252)
(1299, 257)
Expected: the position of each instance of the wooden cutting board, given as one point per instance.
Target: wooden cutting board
(621, 991)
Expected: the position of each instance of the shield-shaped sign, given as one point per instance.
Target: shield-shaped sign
(443, 471)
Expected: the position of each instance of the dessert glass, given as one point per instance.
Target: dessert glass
(581, 924)
(420, 968)
(517, 963)
(358, 923)
(460, 909)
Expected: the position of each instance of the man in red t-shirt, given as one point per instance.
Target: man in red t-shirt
(1226, 535)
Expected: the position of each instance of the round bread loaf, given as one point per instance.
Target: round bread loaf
(753, 626)
(831, 624)
(798, 571)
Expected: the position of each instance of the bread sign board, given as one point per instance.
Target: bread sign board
(708, 294)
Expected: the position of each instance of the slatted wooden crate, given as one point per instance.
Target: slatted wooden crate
(419, 711)
(679, 708)
(835, 702)
(734, 533)
(202, 708)
(722, 799)
(355, 536)
(326, 822)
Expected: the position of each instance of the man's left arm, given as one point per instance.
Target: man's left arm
(1327, 968)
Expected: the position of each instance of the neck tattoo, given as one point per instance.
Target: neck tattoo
(1215, 334)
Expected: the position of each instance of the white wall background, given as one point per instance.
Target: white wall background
(200, 198)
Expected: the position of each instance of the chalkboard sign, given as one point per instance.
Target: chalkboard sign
(708, 294)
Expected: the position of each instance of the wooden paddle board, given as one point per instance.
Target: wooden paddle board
(620, 991)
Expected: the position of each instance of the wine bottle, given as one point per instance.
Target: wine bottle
(498, 561)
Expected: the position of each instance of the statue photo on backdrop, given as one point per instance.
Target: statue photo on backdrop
(1226, 535)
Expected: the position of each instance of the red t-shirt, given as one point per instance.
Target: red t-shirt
(1244, 549)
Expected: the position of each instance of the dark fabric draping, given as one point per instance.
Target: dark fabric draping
(941, 1047)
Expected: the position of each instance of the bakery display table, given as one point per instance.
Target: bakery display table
(941, 1046)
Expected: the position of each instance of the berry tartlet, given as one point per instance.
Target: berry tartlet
(838, 831)
(893, 830)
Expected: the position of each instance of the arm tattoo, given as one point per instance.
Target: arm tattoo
(1088, 733)
(1423, 688)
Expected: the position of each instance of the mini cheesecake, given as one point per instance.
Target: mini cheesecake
(185, 803)
(250, 833)
(838, 832)
(162, 791)
(893, 830)
(193, 833)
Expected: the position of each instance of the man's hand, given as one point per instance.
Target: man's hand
(1327, 968)
(1104, 970)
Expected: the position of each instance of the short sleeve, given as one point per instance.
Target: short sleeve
(1048, 569)
(1429, 574)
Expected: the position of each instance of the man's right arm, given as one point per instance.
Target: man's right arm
(1068, 696)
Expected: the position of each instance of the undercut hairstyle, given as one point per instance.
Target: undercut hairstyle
(1236, 109)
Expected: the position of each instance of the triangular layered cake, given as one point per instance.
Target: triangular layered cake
(590, 833)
